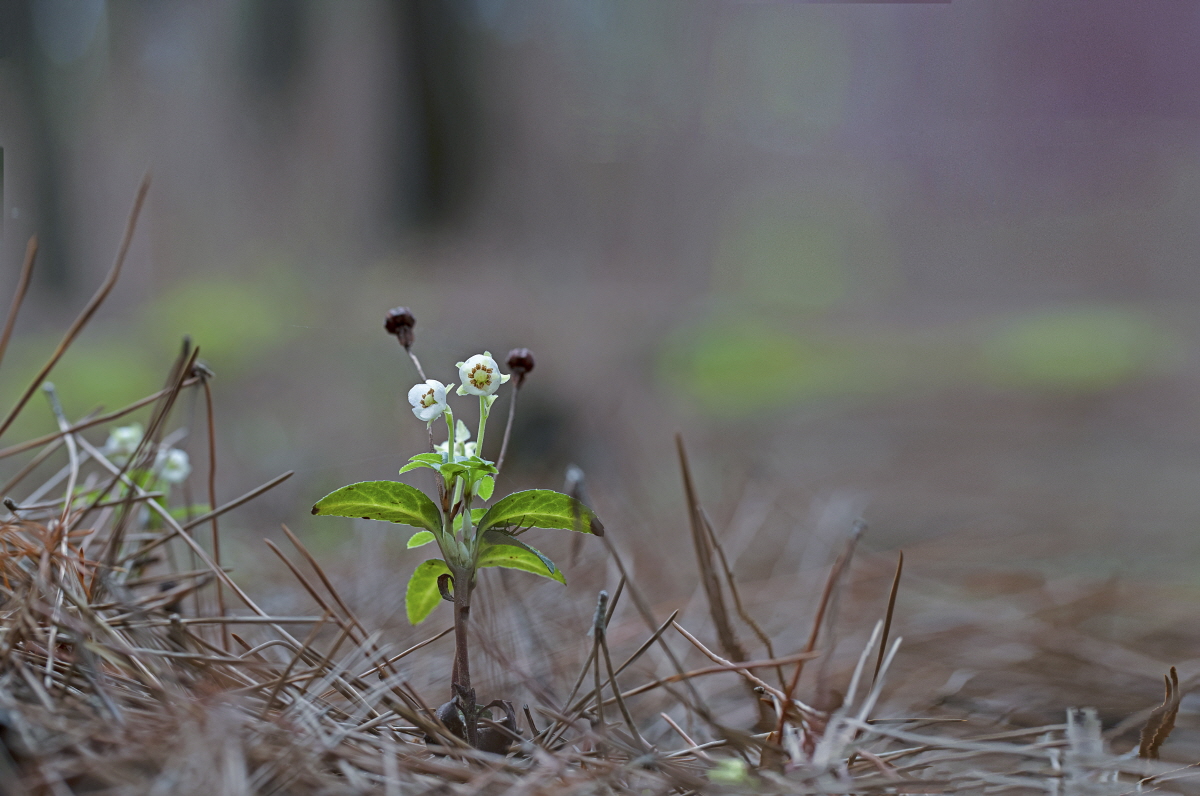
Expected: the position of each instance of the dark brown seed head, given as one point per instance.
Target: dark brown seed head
(520, 362)
(400, 322)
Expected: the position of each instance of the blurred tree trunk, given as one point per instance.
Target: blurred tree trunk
(438, 57)
(33, 77)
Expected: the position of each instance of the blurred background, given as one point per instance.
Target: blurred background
(934, 264)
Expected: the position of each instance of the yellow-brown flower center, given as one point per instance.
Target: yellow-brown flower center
(480, 375)
(427, 400)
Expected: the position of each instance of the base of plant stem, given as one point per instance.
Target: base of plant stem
(496, 737)
(460, 683)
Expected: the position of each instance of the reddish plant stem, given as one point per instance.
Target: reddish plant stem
(460, 677)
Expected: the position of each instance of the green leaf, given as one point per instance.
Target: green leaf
(469, 468)
(501, 550)
(449, 470)
(414, 465)
(419, 538)
(542, 508)
(492, 538)
(390, 501)
(486, 486)
(422, 595)
(483, 466)
(431, 460)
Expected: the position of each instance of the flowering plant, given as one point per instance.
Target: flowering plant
(468, 535)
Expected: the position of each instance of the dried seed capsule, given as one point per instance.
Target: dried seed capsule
(400, 322)
(520, 362)
(451, 716)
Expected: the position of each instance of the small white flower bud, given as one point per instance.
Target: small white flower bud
(172, 465)
(122, 442)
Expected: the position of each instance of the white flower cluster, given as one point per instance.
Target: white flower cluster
(480, 375)
(170, 464)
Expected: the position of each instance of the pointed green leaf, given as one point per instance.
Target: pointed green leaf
(449, 470)
(422, 595)
(419, 538)
(390, 501)
(414, 465)
(480, 465)
(428, 458)
(492, 538)
(541, 508)
(502, 550)
(486, 486)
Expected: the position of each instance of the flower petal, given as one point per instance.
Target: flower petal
(416, 392)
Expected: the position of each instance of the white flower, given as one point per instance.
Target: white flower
(172, 465)
(122, 442)
(463, 449)
(480, 375)
(428, 399)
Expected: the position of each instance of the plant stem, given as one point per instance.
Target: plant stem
(460, 686)
(512, 412)
(446, 488)
(416, 362)
(483, 416)
(450, 435)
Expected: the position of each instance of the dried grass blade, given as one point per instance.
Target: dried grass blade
(312, 636)
(1162, 721)
(602, 636)
(887, 619)
(704, 558)
(233, 504)
(19, 295)
(212, 492)
(89, 309)
(91, 420)
(407, 652)
(643, 607)
(835, 574)
(343, 624)
(333, 592)
(686, 738)
(731, 582)
(743, 668)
